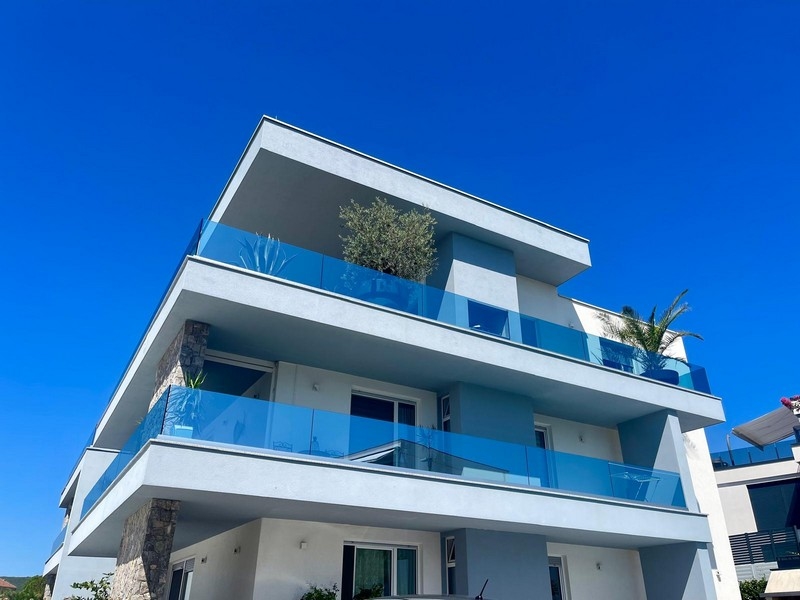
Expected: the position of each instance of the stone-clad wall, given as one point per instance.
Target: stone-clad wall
(142, 569)
(185, 356)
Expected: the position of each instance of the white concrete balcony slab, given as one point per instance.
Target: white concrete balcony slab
(221, 486)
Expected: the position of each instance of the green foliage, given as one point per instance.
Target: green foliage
(384, 239)
(33, 589)
(375, 591)
(264, 255)
(652, 336)
(321, 593)
(194, 381)
(101, 590)
(752, 588)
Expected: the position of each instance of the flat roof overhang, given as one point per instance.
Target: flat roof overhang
(272, 319)
(221, 487)
(290, 183)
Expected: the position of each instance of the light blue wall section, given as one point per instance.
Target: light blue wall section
(444, 259)
(476, 270)
(514, 563)
(656, 441)
(484, 412)
(677, 572)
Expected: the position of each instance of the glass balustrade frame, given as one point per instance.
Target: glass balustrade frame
(272, 257)
(202, 415)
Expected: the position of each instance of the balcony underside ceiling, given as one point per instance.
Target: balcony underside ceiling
(268, 319)
(299, 204)
(222, 487)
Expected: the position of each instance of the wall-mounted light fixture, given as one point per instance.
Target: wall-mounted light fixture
(303, 545)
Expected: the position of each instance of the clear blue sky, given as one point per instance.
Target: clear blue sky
(666, 133)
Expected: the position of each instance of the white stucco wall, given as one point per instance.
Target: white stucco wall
(73, 569)
(286, 571)
(708, 498)
(328, 390)
(583, 439)
(619, 576)
(738, 510)
(541, 300)
(225, 564)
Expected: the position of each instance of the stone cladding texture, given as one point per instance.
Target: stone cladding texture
(143, 561)
(185, 356)
(49, 584)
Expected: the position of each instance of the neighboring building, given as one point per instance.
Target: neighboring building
(760, 493)
(6, 588)
(359, 430)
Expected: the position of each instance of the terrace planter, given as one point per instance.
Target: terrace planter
(665, 375)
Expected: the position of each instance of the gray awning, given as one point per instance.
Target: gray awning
(772, 427)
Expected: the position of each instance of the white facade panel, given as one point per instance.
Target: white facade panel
(600, 573)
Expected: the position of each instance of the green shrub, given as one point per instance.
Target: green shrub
(101, 590)
(384, 239)
(752, 588)
(376, 591)
(321, 593)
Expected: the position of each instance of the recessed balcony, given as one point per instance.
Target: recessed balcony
(246, 422)
(269, 256)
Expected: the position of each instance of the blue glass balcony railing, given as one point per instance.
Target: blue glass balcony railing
(214, 417)
(739, 457)
(59, 541)
(266, 255)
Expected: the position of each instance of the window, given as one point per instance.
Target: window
(445, 404)
(558, 581)
(488, 319)
(542, 436)
(381, 409)
(383, 570)
(381, 431)
(450, 556)
(181, 584)
(541, 467)
(776, 505)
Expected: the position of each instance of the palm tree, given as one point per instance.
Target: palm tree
(650, 338)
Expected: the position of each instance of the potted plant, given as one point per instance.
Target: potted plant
(184, 407)
(384, 239)
(650, 338)
(264, 255)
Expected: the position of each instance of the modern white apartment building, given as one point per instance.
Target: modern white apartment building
(364, 431)
(759, 487)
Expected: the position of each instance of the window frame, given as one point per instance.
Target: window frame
(186, 565)
(393, 548)
(560, 563)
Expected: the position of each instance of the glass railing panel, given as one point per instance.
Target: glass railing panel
(59, 541)
(251, 422)
(215, 417)
(752, 455)
(371, 286)
(267, 255)
(260, 253)
(653, 486)
(443, 306)
(561, 340)
(147, 430)
(580, 474)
